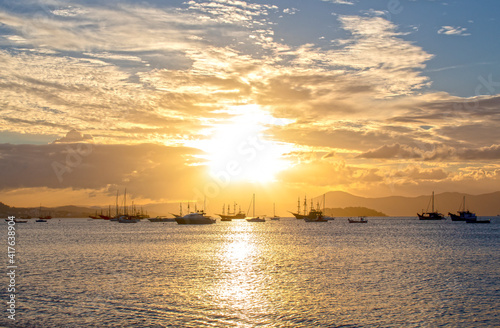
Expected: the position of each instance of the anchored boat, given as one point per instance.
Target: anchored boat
(432, 215)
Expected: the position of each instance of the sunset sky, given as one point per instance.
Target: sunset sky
(177, 100)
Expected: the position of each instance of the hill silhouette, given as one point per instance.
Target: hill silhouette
(352, 211)
(485, 204)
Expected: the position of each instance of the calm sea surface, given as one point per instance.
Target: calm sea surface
(390, 272)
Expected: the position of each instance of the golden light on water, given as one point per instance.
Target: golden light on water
(239, 286)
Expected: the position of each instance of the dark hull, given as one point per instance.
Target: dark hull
(432, 216)
(313, 215)
(463, 217)
(194, 221)
(477, 221)
(256, 220)
(162, 220)
(299, 216)
(232, 217)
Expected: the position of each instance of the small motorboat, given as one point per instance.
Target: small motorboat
(161, 219)
(256, 219)
(128, 219)
(361, 219)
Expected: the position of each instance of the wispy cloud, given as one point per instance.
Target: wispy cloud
(341, 2)
(453, 30)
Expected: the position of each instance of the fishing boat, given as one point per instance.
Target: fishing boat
(198, 217)
(255, 218)
(432, 215)
(229, 216)
(361, 219)
(41, 220)
(463, 214)
(128, 219)
(161, 219)
(274, 217)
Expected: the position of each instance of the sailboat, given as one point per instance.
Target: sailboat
(43, 218)
(432, 215)
(463, 215)
(125, 218)
(326, 217)
(274, 218)
(315, 215)
(230, 216)
(312, 215)
(254, 218)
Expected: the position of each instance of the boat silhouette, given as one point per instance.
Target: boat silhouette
(432, 215)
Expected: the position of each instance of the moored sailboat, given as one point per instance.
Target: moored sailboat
(274, 217)
(229, 216)
(432, 215)
(43, 218)
(255, 218)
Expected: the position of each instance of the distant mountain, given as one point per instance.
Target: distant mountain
(58, 212)
(352, 211)
(485, 204)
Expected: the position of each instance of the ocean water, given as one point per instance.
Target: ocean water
(390, 272)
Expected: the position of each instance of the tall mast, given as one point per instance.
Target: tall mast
(305, 205)
(180, 209)
(125, 210)
(117, 203)
(253, 202)
(433, 202)
(298, 205)
(324, 203)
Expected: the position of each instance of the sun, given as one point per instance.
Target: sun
(241, 150)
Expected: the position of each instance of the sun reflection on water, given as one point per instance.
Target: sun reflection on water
(240, 286)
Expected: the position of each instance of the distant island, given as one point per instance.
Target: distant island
(353, 211)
